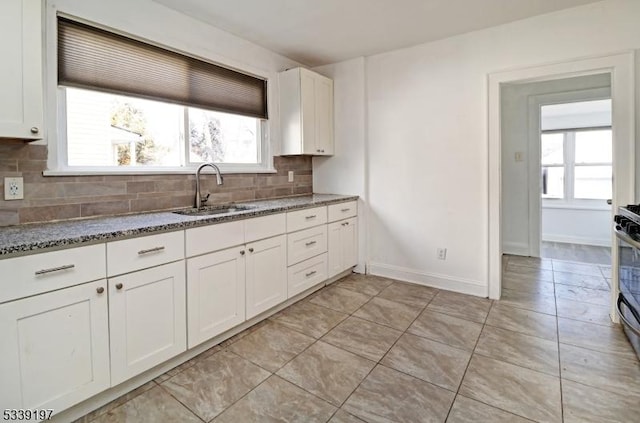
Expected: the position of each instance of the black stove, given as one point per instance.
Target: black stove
(628, 220)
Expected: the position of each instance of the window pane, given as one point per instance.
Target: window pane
(593, 146)
(593, 182)
(553, 182)
(112, 130)
(222, 138)
(552, 149)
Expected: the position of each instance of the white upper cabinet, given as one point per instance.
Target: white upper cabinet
(21, 95)
(306, 111)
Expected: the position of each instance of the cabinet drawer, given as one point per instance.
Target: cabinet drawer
(342, 210)
(264, 227)
(141, 253)
(306, 244)
(207, 239)
(304, 275)
(30, 275)
(303, 219)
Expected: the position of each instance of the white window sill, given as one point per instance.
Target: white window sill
(167, 171)
(566, 206)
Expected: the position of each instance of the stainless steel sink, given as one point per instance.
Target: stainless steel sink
(214, 210)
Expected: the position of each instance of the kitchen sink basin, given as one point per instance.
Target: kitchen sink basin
(214, 210)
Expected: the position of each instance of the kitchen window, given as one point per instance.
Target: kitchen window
(577, 164)
(128, 106)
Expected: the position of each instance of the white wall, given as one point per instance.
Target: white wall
(517, 221)
(157, 24)
(577, 226)
(427, 136)
(344, 172)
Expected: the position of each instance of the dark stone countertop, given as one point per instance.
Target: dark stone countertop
(33, 238)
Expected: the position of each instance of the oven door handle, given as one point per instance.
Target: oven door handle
(624, 320)
(626, 238)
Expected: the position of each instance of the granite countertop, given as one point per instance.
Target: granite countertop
(25, 239)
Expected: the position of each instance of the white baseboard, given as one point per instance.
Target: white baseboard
(449, 283)
(515, 248)
(576, 240)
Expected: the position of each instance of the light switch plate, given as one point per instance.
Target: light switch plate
(290, 176)
(13, 188)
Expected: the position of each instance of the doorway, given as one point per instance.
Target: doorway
(576, 169)
(620, 67)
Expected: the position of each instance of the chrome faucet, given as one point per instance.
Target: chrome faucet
(199, 201)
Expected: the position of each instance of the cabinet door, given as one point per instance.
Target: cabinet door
(147, 319)
(215, 293)
(308, 106)
(349, 241)
(334, 248)
(21, 95)
(54, 351)
(266, 274)
(324, 116)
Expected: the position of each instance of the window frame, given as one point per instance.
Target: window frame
(57, 162)
(569, 164)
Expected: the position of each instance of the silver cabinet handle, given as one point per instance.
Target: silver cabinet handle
(344, 210)
(251, 250)
(55, 269)
(309, 243)
(34, 130)
(100, 290)
(118, 286)
(310, 273)
(151, 250)
(242, 252)
(313, 216)
(345, 224)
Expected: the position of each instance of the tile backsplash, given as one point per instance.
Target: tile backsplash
(68, 197)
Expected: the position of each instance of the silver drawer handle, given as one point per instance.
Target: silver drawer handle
(310, 274)
(150, 250)
(313, 216)
(344, 210)
(55, 269)
(310, 243)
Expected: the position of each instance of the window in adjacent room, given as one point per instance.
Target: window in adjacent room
(128, 105)
(577, 160)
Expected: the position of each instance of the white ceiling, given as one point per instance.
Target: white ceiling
(316, 32)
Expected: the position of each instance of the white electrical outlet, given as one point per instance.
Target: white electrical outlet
(290, 176)
(442, 253)
(13, 188)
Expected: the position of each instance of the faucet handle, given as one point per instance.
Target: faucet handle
(204, 200)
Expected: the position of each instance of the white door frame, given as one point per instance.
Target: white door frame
(621, 68)
(535, 102)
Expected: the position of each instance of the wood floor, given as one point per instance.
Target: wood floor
(576, 252)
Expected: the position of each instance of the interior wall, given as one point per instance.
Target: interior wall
(577, 226)
(344, 172)
(427, 139)
(516, 221)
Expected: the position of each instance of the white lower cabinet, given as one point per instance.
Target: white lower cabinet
(306, 274)
(266, 274)
(147, 319)
(55, 348)
(342, 245)
(227, 287)
(215, 293)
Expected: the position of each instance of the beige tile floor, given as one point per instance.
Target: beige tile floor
(372, 349)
